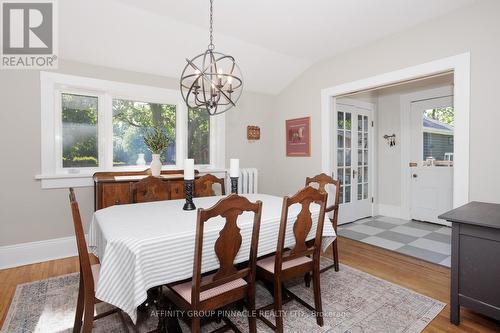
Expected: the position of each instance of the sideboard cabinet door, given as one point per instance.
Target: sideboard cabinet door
(177, 189)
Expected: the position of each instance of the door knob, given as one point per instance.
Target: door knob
(414, 175)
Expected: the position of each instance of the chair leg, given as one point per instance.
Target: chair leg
(307, 279)
(77, 325)
(317, 296)
(252, 320)
(88, 317)
(278, 305)
(335, 255)
(195, 324)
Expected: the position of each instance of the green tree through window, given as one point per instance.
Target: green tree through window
(199, 136)
(79, 131)
(130, 121)
(445, 115)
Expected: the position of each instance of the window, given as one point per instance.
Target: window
(91, 125)
(438, 134)
(79, 131)
(199, 136)
(130, 121)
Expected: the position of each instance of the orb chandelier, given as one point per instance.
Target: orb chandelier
(211, 80)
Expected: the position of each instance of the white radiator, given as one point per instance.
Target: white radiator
(247, 182)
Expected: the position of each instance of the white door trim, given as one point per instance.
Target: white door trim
(405, 109)
(459, 64)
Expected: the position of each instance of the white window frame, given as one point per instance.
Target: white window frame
(53, 175)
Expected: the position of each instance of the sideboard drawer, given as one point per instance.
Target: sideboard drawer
(115, 194)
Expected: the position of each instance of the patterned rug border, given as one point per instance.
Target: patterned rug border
(418, 326)
(432, 313)
(17, 293)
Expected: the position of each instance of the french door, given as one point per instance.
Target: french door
(353, 161)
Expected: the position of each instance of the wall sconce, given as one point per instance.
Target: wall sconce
(253, 133)
(391, 140)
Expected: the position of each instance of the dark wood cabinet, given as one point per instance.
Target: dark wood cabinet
(115, 188)
(475, 259)
(177, 190)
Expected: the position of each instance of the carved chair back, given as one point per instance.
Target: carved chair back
(302, 226)
(83, 254)
(323, 180)
(227, 245)
(150, 189)
(204, 186)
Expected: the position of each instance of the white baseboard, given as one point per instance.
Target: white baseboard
(34, 252)
(390, 211)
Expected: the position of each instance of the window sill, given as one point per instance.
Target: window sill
(84, 179)
(51, 181)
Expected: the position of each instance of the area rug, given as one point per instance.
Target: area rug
(353, 301)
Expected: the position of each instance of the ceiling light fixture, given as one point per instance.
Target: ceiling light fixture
(211, 80)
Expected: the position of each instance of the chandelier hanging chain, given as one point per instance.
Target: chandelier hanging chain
(211, 46)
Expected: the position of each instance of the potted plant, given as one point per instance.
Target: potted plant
(157, 140)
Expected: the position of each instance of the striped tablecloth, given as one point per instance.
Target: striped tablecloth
(141, 246)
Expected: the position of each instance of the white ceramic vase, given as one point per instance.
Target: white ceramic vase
(140, 160)
(156, 165)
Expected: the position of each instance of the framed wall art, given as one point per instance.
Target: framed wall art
(298, 137)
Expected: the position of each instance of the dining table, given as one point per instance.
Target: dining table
(145, 245)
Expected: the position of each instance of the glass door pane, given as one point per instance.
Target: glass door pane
(344, 155)
(363, 160)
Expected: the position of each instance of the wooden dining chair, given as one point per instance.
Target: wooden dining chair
(150, 189)
(322, 180)
(204, 186)
(89, 275)
(303, 257)
(228, 284)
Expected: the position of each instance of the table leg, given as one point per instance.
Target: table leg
(166, 321)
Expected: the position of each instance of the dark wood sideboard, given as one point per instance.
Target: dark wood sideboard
(114, 188)
(475, 259)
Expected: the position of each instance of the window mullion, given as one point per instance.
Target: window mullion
(181, 134)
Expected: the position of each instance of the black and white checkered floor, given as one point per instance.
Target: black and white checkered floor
(427, 241)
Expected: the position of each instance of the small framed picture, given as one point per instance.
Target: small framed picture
(298, 137)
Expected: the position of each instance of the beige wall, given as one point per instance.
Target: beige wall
(253, 109)
(475, 29)
(27, 212)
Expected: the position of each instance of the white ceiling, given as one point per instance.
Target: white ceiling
(273, 40)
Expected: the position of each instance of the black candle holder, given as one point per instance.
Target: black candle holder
(234, 185)
(188, 185)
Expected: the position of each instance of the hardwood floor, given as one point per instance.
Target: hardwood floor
(426, 278)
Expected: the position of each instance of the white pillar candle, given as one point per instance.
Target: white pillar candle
(189, 169)
(234, 167)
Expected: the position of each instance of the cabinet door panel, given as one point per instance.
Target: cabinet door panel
(115, 194)
(177, 190)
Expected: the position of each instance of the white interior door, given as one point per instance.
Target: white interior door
(431, 189)
(354, 161)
